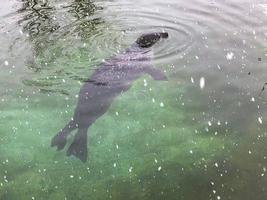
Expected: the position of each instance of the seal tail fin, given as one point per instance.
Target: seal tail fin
(78, 147)
(60, 139)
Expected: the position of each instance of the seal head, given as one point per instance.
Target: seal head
(149, 39)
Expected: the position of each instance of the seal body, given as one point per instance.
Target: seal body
(113, 77)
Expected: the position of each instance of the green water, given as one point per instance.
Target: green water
(158, 140)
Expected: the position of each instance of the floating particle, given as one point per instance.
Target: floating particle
(260, 120)
(161, 104)
(216, 165)
(252, 99)
(202, 82)
(114, 165)
(117, 113)
(6, 63)
(130, 169)
(229, 55)
(218, 197)
(71, 176)
(192, 80)
(145, 83)
(153, 100)
(249, 152)
(159, 168)
(191, 151)
(209, 123)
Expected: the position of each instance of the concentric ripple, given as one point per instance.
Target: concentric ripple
(87, 32)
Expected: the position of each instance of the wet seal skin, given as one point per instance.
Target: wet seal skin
(114, 76)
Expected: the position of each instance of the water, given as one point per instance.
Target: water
(200, 135)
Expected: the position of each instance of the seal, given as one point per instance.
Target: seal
(113, 77)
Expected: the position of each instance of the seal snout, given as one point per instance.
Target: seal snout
(164, 35)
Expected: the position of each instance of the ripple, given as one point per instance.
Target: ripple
(80, 35)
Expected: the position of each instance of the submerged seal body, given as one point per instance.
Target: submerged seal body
(114, 76)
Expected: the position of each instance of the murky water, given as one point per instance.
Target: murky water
(200, 135)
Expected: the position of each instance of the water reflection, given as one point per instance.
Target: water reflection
(52, 28)
(42, 21)
(81, 10)
(39, 18)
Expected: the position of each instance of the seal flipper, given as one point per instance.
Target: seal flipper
(78, 147)
(156, 73)
(60, 139)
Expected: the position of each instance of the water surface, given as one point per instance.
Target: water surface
(200, 135)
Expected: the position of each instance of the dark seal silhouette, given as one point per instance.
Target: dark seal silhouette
(113, 77)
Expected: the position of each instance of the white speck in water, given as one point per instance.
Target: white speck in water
(197, 57)
(117, 146)
(229, 55)
(192, 80)
(130, 169)
(145, 83)
(209, 123)
(219, 123)
(153, 100)
(252, 99)
(202, 82)
(6, 63)
(71, 176)
(249, 152)
(161, 104)
(117, 113)
(260, 120)
(156, 161)
(63, 80)
(114, 165)
(159, 168)
(218, 197)
(216, 164)
(191, 151)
